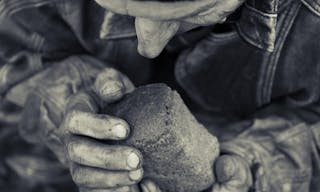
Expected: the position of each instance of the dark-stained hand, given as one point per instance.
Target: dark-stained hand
(94, 164)
(233, 174)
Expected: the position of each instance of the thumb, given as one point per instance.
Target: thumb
(153, 36)
(233, 174)
(110, 85)
(225, 168)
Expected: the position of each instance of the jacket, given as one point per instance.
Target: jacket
(52, 49)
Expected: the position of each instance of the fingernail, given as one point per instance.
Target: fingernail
(226, 169)
(133, 160)
(144, 188)
(119, 131)
(110, 88)
(136, 175)
(149, 186)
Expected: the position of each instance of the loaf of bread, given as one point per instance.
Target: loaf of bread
(178, 152)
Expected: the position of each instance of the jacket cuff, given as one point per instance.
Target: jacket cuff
(257, 24)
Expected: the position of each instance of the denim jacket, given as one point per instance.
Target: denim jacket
(52, 48)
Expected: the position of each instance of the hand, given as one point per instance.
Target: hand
(156, 28)
(233, 174)
(94, 164)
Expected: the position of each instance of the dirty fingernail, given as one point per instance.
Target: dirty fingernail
(133, 160)
(226, 168)
(110, 88)
(120, 131)
(136, 175)
(149, 186)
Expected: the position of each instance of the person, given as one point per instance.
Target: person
(253, 85)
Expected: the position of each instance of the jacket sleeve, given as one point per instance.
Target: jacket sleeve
(42, 64)
(34, 35)
(282, 145)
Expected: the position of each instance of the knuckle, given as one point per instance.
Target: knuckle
(73, 147)
(77, 174)
(106, 157)
(83, 177)
(107, 74)
(111, 72)
(70, 119)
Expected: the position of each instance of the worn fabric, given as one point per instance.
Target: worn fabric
(50, 49)
(246, 78)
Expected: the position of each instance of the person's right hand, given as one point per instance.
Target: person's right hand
(233, 174)
(95, 165)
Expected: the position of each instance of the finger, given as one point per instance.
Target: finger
(90, 153)
(149, 186)
(129, 86)
(205, 20)
(215, 14)
(82, 101)
(157, 10)
(89, 177)
(109, 85)
(95, 126)
(133, 188)
(233, 174)
(225, 168)
(153, 36)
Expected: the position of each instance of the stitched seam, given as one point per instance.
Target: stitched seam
(315, 8)
(275, 57)
(119, 36)
(269, 47)
(14, 7)
(262, 96)
(36, 42)
(221, 38)
(260, 13)
(262, 44)
(284, 5)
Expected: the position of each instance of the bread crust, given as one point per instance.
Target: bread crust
(178, 151)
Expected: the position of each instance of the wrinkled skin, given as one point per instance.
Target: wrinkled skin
(157, 22)
(96, 166)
